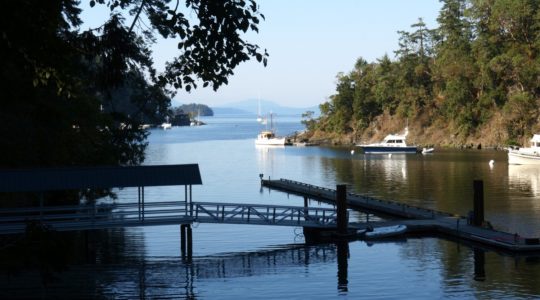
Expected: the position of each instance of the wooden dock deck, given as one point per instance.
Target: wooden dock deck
(417, 219)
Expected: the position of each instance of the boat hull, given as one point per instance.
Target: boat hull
(270, 142)
(386, 149)
(515, 157)
(384, 232)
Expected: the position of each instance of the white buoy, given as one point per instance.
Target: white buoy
(389, 154)
(491, 162)
(352, 152)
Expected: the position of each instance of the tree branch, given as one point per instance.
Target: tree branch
(137, 16)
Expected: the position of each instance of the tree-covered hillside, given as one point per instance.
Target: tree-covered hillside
(474, 79)
(194, 109)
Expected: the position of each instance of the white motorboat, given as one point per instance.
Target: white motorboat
(384, 232)
(526, 156)
(392, 143)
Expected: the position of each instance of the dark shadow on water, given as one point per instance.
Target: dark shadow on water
(138, 276)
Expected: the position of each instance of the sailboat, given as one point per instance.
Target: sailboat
(196, 122)
(166, 125)
(259, 118)
(268, 137)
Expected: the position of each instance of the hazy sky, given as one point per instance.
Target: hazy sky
(309, 42)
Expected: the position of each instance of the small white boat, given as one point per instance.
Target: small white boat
(427, 150)
(166, 125)
(384, 232)
(392, 143)
(526, 156)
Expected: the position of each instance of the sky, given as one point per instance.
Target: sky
(309, 43)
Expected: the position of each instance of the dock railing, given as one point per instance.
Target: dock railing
(93, 216)
(260, 214)
(365, 201)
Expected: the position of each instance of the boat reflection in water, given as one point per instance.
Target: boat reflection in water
(392, 166)
(525, 178)
(266, 157)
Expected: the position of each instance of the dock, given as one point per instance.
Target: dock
(137, 209)
(418, 220)
(140, 210)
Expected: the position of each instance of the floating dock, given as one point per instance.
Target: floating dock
(418, 220)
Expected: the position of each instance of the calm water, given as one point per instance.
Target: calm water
(264, 262)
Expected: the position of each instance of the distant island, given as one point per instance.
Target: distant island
(194, 110)
(188, 114)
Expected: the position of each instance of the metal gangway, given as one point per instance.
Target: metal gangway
(140, 212)
(102, 216)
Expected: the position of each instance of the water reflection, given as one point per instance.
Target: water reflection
(392, 166)
(266, 157)
(479, 265)
(525, 178)
(343, 266)
(171, 278)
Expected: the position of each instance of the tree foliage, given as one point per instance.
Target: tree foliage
(480, 62)
(77, 97)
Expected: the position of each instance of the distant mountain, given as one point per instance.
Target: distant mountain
(251, 106)
(229, 111)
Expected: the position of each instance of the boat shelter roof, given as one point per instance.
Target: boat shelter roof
(536, 138)
(72, 178)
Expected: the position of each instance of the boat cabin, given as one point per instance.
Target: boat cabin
(535, 141)
(266, 134)
(394, 140)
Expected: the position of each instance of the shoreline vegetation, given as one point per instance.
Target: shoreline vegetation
(419, 135)
(471, 81)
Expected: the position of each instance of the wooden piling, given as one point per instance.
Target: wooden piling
(341, 208)
(478, 217)
(189, 242)
(186, 241)
(183, 240)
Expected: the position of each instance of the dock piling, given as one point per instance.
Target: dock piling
(478, 217)
(341, 208)
(186, 244)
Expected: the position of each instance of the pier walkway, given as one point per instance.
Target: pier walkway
(37, 185)
(101, 216)
(417, 219)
